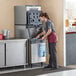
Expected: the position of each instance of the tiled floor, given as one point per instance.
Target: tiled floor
(17, 69)
(36, 66)
(63, 73)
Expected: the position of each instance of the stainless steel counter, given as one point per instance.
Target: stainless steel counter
(13, 52)
(6, 40)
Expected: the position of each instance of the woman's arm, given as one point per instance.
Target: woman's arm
(42, 33)
(46, 35)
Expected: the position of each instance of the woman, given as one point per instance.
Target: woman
(49, 33)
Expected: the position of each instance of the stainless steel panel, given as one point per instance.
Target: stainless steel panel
(2, 54)
(71, 49)
(34, 54)
(20, 15)
(15, 53)
(29, 7)
(21, 32)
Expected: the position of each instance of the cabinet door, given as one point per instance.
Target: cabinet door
(34, 53)
(35, 58)
(15, 53)
(2, 54)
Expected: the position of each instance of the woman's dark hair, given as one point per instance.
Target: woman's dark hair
(44, 15)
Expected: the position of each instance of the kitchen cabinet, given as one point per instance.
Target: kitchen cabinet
(15, 52)
(2, 54)
(35, 58)
(36, 53)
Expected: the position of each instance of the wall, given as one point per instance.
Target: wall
(52, 7)
(7, 12)
(70, 9)
(55, 10)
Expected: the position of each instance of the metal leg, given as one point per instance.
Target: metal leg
(27, 66)
(41, 64)
(24, 66)
(31, 65)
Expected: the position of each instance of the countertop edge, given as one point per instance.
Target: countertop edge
(70, 32)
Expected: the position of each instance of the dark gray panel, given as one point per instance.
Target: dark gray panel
(70, 49)
(33, 18)
(20, 15)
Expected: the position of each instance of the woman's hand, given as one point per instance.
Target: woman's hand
(42, 33)
(43, 38)
(37, 36)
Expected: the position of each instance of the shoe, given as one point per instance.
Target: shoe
(47, 67)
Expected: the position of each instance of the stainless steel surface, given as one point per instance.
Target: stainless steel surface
(15, 53)
(2, 54)
(20, 15)
(33, 7)
(34, 52)
(25, 33)
(6, 34)
(71, 49)
(21, 11)
(21, 32)
(26, 16)
(32, 21)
